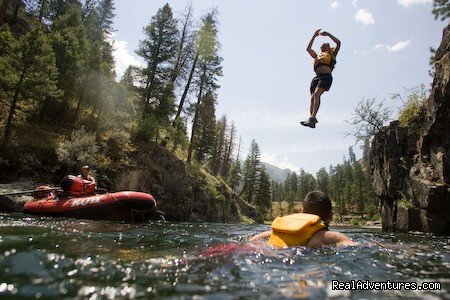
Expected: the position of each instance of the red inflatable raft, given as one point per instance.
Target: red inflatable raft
(120, 206)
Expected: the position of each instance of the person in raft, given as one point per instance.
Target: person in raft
(85, 170)
(309, 228)
(323, 66)
(89, 184)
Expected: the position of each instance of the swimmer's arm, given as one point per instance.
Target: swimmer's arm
(262, 235)
(324, 237)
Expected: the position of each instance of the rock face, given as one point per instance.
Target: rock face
(182, 192)
(411, 166)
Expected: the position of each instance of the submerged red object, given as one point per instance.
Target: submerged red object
(120, 206)
(229, 248)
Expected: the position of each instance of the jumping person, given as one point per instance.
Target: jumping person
(323, 66)
(309, 228)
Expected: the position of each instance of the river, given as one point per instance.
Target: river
(80, 259)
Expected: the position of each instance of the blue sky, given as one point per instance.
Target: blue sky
(267, 71)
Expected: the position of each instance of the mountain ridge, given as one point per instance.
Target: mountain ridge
(276, 173)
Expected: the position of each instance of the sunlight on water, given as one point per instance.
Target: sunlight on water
(67, 258)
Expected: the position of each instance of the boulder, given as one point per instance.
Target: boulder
(182, 192)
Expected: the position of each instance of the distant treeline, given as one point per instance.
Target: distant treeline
(348, 184)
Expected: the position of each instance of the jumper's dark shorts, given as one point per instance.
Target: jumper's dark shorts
(323, 80)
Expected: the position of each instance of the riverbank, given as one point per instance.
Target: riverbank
(15, 203)
(368, 225)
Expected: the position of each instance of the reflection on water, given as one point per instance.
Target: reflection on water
(67, 258)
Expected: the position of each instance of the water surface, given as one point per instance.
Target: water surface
(80, 259)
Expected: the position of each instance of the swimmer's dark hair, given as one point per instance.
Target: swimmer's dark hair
(317, 203)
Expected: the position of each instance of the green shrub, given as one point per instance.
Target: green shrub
(413, 109)
(413, 113)
(178, 134)
(117, 145)
(404, 202)
(358, 222)
(82, 148)
(148, 129)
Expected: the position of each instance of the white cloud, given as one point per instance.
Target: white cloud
(399, 46)
(394, 48)
(355, 3)
(282, 164)
(123, 57)
(408, 3)
(364, 16)
(360, 52)
(334, 4)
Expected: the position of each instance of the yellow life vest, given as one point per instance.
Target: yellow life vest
(325, 59)
(294, 230)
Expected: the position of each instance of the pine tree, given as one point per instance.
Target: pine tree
(27, 72)
(98, 74)
(337, 186)
(71, 46)
(366, 152)
(185, 56)
(219, 147)
(263, 199)
(207, 48)
(351, 155)
(53, 9)
(4, 10)
(206, 133)
(106, 14)
(252, 168)
(158, 51)
(441, 9)
(303, 184)
(292, 186)
(228, 153)
(129, 77)
(235, 175)
(359, 187)
(322, 180)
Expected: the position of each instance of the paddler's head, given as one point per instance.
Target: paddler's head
(85, 171)
(318, 203)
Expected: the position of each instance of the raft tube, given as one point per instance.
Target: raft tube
(120, 206)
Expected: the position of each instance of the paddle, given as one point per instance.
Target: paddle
(31, 191)
(98, 191)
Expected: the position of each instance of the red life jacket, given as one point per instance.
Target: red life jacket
(77, 186)
(89, 187)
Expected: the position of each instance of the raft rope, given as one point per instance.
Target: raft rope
(138, 211)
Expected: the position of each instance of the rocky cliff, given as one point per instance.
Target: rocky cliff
(411, 164)
(183, 192)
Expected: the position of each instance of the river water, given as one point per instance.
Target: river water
(80, 259)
